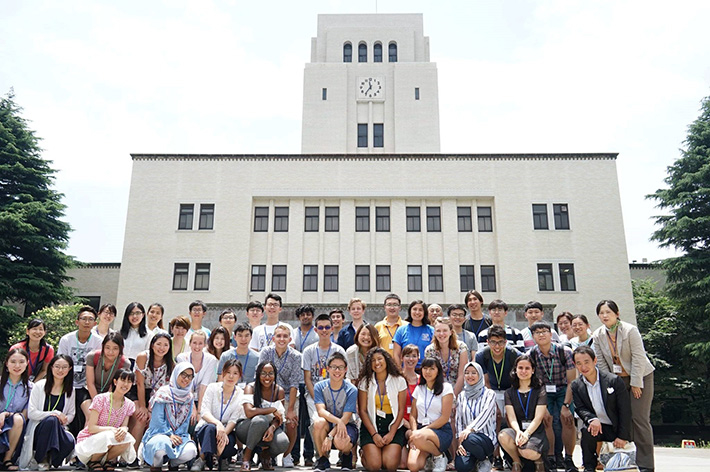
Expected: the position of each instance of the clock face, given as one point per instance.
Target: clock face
(370, 88)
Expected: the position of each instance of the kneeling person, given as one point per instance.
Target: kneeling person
(334, 426)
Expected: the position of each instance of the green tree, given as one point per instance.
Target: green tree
(32, 235)
(685, 226)
(60, 320)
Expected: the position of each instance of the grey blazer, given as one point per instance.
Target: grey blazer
(630, 350)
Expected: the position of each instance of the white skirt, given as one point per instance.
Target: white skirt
(100, 442)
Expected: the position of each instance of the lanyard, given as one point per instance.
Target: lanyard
(283, 364)
(499, 377)
(13, 389)
(196, 385)
(334, 398)
(322, 365)
(223, 407)
(463, 335)
(527, 404)
(110, 408)
(390, 332)
(382, 395)
(470, 408)
(612, 344)
(59, 397)
(480, 325)
(33, 368)
(110, 374)
(426, 406)
(246, 361)
(303, 340)
(448, 367)
(77, 340)
(552, 363)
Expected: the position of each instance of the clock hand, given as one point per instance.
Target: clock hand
(368, 88)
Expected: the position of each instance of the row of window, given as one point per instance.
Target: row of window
(382, 273)
(187, 213)
(560, 214)
(378, 135)
(376, 52)
(382, 219)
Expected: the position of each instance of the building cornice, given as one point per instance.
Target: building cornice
(377, 157)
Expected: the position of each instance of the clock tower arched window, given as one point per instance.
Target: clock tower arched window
(362, 52)
(347, 52)
(393, 52)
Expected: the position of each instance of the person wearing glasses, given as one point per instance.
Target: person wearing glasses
(457, 315)
(136, 337)
(228, 320)
(498, 310)
(198, 310)
(167, 437)
(388, 327)
(77, 345)
(263, 334)
(107, 313)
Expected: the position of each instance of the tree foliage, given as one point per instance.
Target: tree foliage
(60, 320)
(32, 234)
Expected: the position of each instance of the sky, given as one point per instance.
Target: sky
(100, 79)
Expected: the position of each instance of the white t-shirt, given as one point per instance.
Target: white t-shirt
(133, 344)
(263, 335)
(207, 373)
(428, 404)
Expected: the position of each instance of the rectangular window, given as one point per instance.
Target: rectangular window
(261, 219)
(544, 278)
(540, 216)
(383, 278)
(485, 219)
(433, 219)
(258, 278)
(464, 219)
(416, 93)
(467, 277)
(207, 216)
(332, 219)
(488, 278)
(382, 219)
(561, 215)
(414, 278)
(362, 278)
(567, 283)
(312, 217)
(330, 278)
(413, 220)
(281, 219)
(362, 135)
(325, 94)
(310, 278)
(436, 278)
(378, 135)
(362, 219)
(202, 276)
(278, 278)
(180, 275)
(185, 219)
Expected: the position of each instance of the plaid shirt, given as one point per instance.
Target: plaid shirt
(549, 369)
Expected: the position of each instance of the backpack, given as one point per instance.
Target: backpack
(97, 354)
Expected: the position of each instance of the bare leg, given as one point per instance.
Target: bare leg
(14, 435)
(115, 451)
(391, 455)
(291, 433)
(371, 457)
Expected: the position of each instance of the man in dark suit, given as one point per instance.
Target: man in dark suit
(601, 400)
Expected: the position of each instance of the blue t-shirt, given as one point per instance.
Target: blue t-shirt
(419, 335)
(338, 401)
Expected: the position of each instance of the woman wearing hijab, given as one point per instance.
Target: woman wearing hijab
(167, 436)
(475, 422)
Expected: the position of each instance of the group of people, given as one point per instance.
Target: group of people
(434, 391)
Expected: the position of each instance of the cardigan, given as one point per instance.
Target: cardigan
(212, 402)
(394, 385)
(630, 350)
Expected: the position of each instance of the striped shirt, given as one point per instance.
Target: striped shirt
(478, 415)
(514, 337)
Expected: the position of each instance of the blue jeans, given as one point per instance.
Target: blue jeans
(479, 447)
(554, 407)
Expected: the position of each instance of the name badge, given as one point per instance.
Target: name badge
(500, 396)
(409, 409)
(78, 367)
(391, 345)
(381, 414)
(526, 425)
(551, 388)
(425, 421)
(617, 369)
(242, 385)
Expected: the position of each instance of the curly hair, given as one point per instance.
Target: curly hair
(366, 373)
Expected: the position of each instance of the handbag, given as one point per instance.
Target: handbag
(618, 459)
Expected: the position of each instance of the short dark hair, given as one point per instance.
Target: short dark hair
(496, 331)
(455, 306)
(323, 317)
(336, 310)
(337, 356)
(227, 311)
(540, 325)
(123, 374)
(498, 303)
(198, 303)
(255, 304)
(91, 310)
(274, 296)
(584, 350)
(393, 296)
(611, 304)
(425, 320)
(581, 317)
(532, 304)
(304, 309)
(241, 327)
(108, 306)
(472, 293)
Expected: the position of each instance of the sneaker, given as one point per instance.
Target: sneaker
(198, 465)
(347, 462)
(135, 465)
(440, 463)
(569, 465)
(43, 466)
(429, 464)
(551, 462)
(287, 461)
(483, 466)
(323, 464)
(559, 462)
(498, 464)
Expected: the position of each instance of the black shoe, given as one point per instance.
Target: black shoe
(569, 465)
(551, 462)
(347, 462)
(323, 464)
(559, 462)
(134, 465)
(498, 464)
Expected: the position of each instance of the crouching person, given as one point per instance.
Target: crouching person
(334, 425)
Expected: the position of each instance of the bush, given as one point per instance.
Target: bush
(60, 320)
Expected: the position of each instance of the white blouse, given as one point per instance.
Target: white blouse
(225, 409)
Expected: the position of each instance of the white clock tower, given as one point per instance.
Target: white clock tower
(370, 87)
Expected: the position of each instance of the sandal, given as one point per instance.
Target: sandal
(246, 466)
(110, 465)
(9, 465)
(517, 467)
(94, 465)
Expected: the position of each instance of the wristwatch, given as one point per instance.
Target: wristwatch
(329, 437)
(566, 404)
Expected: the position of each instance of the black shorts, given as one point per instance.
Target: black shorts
(383, 427)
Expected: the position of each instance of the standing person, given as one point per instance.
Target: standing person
(248, 358)
(476, 321)
(288, 366)
(15, 388)
(497, 360)
(525, 436)
(434, 311)
(498, 310)
(337, 317)
(366, 338)
(335, 426)
(77, 345)
(39, 351)
(134, 332)
(564, 325)
(432, 402)
(102, 366)
(264, 411)
(205, 370)
(179, 327)
(475, 422)
(255, 313)
(416, 331)
(582, 333)
(619, 348)
(556, 371)
(410, 358)
(198, 310)
(457, 315)
(106, 438)
(221, 405)
(49, 412)
(534, 313)
(388, 327)
(304, 335)
(382, 400)
(452, 354)
(602, 402)
(219, 342)
(263, 334)
(167, 437)
(153, 370)
(356, 308)
(107, 313)
(228, 320)
(154, 319)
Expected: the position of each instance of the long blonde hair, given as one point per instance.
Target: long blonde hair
(453, 339)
